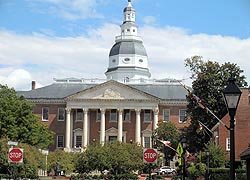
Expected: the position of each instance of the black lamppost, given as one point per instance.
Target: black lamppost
(232, 96)
(184, 146)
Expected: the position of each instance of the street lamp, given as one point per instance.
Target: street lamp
(184, 146)
(232, 96)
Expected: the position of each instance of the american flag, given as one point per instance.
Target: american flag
(201, 103)
(166, 143)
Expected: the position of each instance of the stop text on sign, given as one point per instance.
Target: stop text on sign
(150, 155)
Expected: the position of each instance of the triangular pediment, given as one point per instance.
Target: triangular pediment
(112, 90)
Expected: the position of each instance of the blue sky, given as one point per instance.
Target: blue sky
(39, 36)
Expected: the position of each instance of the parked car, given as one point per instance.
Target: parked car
(166, 170)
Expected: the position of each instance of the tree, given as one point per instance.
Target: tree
(32, 161)
(65, 160)
(17, 122)
(166, 131)
(116, 157)
(217, 156)
(210, 78)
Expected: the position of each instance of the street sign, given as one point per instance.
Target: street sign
(150, 155)
(15, 155)
(12, 143)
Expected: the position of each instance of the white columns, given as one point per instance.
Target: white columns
(67, 132)
(155, 125)
(102, 128)
(85, 128)
(119, 137)
(138, 126)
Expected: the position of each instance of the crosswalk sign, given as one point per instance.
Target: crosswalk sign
(179, 151)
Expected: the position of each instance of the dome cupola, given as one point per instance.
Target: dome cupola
(128, 59)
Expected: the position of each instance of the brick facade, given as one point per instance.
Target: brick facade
(58, 127)
(242, 126)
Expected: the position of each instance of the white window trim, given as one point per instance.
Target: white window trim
(98, 120)
(147, 133)
(58, 113)
(227, 144)
(114, 132)
(115, 116)
(48, 114)
(150, 141)
(180, 115)
(57, 141)
(129, 119)
(77, 120)
(163, 114)
(77, 132)
(150, 116)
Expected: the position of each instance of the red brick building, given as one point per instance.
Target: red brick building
(126, 106)
(242, 127)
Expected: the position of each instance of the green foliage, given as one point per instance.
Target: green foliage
(196, 170)
(210, 78)
(117, 158)
(64, 159)
(223, 174)
(217, 157)
(166, 131)
(102, 176)
(18, 123)
(32, 161)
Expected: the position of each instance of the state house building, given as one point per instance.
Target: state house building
(126, 106)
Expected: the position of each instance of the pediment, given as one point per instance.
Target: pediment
(111, 90)
(111, 130)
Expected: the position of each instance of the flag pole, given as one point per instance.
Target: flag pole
(201, 104)
(167, 145)
(205, 126)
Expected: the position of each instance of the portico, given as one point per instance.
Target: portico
(113, 107)
(104, 134)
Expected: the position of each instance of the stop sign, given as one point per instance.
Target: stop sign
(150, 156)
(15, 155)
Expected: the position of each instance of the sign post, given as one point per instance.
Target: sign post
(15, 155)
(150, 156)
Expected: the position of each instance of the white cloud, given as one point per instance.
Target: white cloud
(168, 47)
(19, 79)
(68, 9)
(149, 20)
(41, 58)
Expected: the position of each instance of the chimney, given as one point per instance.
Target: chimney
(33, 85)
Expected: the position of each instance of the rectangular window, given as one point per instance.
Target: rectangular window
(79, 115)
(78, 142)
(61, 114)
(182, 115)
(146, 142)
(147, 115)
(227, 144)
(166, 114)
(60, 141)
(98, 115)
(112, 138)
(113, 115)
(45, 113)
(126, 116)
